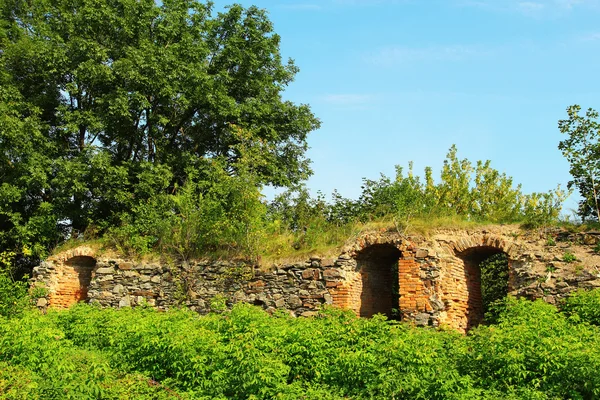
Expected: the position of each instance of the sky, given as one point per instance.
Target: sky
(394, 81)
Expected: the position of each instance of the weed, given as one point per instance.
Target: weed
(569, 257)
(550, 241)
(218, 303)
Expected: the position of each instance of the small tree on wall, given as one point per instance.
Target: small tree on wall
(582, 150)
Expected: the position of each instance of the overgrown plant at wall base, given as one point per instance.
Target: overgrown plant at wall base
(494, 280)
(533, 352)
(14, 296)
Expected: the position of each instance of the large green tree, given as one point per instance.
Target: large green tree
(106, 103)
(582, 150)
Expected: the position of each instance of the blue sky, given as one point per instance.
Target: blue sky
(401, 80)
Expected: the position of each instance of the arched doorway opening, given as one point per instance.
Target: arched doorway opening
(378, 268)
(486, 275)
(74, 282)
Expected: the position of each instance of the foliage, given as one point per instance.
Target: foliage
(585, 304)
(494, 279)
(465, 193)
(533, 346)
(569, 257)
(533, 352)
(105, 105)
(478, 193)
(208, 214)
(156, 125)
(582, 150)
(13, 291)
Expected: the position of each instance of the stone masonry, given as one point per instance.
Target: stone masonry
(433, 280)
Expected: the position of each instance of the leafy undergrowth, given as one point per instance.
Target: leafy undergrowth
(533, 352)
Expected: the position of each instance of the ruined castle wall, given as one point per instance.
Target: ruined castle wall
(438, 278)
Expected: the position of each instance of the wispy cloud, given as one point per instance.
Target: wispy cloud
(301, 6)
(590, 37)
(532, 8)
(348, 99)
(367, 2)
(325, 4)
(393, 55)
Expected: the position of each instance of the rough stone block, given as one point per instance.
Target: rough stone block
(294, 301)
(130, 274)
(331, 274)
(421, 253)
(308, 274)
(125, 302)
(107, 270)
(124, 266)
(280, 303)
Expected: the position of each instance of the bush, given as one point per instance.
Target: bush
(534, 347)
(13, 292)
(533, 352)
(584, 305)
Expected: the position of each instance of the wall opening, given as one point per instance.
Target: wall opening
(74, 282)
(486, 274)
(378, 269)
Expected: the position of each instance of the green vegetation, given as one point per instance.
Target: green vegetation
(153, 129)
(569, 257)
(14, 297)
(582, 150)
(494, 280)
(227, 216)
(533, 352)
(107, 108)
(585, 305)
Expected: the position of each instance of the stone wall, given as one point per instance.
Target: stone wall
(432, 280)
(202, 286)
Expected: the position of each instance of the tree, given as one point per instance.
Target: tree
(582, 150)
(127, 97)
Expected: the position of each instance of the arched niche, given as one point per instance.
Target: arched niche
(379, 291)
(73, 281)
(477, 297)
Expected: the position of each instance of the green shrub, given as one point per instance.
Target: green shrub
(13, 296)
(494, 279)
(535, 347)
(532, 352)
(585, 305)
(13, 292)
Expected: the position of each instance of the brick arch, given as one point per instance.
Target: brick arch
(81, 251)
(465, 243)
(72, 274)
(462, 284)
(377, 287)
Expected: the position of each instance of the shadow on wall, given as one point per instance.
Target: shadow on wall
(75, 281)
(486, 276)
(378, 268)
